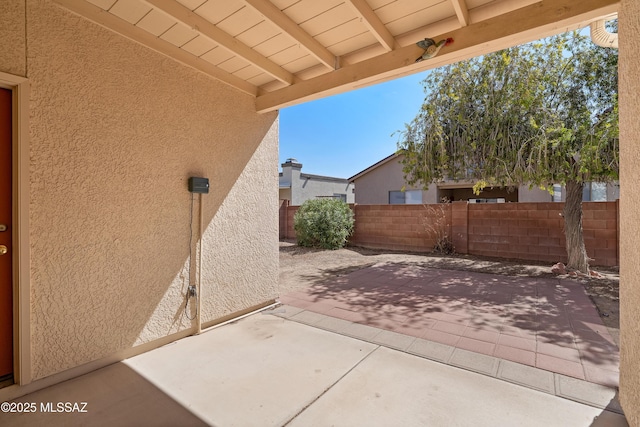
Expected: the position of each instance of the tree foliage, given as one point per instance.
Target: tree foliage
(541, 113)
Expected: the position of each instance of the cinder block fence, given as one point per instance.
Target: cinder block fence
(524, 231)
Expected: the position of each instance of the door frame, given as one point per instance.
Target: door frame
(19, 87)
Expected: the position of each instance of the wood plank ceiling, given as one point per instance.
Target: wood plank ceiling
(285, 52)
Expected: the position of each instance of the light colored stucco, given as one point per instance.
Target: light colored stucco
(629, 84)
(12, 37)
(116, 130)
(298, 187)
(372, 188)
(310, 188)
(526, 194)
(239, 247)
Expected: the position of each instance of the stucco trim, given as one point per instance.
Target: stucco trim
(233, 317)
(21, 286)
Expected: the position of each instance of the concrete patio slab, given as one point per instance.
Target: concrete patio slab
(593, 394)
(260, 371)
(431, 350)
(527, 376)
(393, 388)
(475, 362)
(265, 370)
(393, 340)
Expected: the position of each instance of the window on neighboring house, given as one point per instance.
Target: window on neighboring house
(409, 197)
(594, 192)
(342, 197)
(557, 192)
(591, 192)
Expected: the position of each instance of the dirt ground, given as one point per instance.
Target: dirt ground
(300, 267)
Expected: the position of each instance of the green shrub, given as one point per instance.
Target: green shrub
(323, 223)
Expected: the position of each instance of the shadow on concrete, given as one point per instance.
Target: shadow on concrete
(608, 416)
(115, 396)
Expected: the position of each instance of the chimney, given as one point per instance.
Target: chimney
(291, 163)
(291, 171)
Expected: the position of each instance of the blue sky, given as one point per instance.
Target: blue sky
(344, 134)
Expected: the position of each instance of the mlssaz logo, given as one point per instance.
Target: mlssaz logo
(68, 407)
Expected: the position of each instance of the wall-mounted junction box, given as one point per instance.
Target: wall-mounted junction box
(199, 185)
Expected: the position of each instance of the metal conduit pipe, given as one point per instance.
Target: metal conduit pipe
(600, 35)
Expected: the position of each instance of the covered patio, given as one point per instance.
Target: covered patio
(115, 104)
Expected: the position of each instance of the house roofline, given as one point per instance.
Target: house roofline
(324, 178)
(373, 166)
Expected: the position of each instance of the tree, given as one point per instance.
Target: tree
(541, 113)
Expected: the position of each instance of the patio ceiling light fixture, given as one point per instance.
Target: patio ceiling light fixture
(601, 36)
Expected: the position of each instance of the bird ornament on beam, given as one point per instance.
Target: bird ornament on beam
(431, 48)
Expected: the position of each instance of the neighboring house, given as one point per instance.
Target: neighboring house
(297, 187)
(384, 183)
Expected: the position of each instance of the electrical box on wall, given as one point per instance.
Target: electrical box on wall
(199, 185)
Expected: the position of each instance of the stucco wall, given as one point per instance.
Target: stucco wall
(629, 84)
(12, 37)
(373, 187)
(304, 189)
(241, 241)
(116, 130)
(534, 195)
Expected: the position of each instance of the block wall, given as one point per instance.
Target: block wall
(525, 231)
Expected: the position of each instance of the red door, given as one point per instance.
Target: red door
(6, 293)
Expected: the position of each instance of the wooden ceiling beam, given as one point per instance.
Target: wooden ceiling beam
(373, 23)
(519, 26)
(138, 35)
(182, 14)
(462, 11)
(274, 15)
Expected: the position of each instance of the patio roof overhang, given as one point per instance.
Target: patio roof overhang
(285, 52)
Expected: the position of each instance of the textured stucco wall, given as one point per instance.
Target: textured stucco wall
(304, 189)
(239, 245)
(116, 130)
(526, 194)
(373, 187)
(12, 37)
(629, 84)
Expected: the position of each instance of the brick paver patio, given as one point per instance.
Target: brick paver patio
(547, 323)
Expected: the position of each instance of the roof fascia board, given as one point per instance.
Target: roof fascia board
(374, 166)
(324, 178)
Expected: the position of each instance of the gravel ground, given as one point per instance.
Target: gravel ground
(300, 267)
